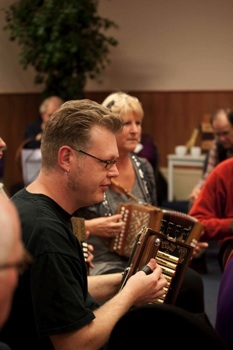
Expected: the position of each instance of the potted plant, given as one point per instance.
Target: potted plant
(63, 40)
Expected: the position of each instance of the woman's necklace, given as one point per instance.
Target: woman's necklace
(128, 194)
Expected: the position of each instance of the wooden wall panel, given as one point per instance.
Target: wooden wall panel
(17, 110)
(170, 118)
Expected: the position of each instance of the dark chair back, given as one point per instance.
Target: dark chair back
(166, 326)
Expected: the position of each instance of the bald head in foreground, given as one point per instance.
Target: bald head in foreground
(11, 254)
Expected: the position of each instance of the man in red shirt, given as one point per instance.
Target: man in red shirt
(214, 205)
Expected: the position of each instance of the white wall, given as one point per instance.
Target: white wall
(163, 45)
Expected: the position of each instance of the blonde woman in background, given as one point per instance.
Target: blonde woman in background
(135, 174)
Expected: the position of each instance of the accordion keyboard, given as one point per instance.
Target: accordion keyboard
(172, 256)
(168, 264)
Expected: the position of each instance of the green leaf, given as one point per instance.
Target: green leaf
(65, 41)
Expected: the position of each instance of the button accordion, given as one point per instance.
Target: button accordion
(172, 256)
(134, 216)
(166, 235)
(176, 225)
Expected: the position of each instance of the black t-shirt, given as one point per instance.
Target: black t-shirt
(51, 297)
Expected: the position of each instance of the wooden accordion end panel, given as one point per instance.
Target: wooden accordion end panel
(172, 256)
(135, 217)
(79, 230)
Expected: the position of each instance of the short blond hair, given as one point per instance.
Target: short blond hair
(123, 103)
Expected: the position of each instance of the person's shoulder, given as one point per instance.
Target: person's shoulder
(18, 194)
(34, 123)
(33, 127)
(222, 173)
(225, 165)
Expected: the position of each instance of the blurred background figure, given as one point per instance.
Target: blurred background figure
(34, 130)
(222, 148)
(147, 148)
(224, 314)
(29, 162)
(214, 208)
(2, 149)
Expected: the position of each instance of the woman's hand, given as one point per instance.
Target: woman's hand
(194, 194)
(108, 227)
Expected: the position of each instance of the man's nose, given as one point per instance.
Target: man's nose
(113, 171)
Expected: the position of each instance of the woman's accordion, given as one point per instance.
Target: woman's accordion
(175, 225)
(135, 216)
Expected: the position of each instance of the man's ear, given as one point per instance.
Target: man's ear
(63, 159)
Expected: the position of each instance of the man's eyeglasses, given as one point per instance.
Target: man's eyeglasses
(108, 163)
(21, 266)
(223, 134)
